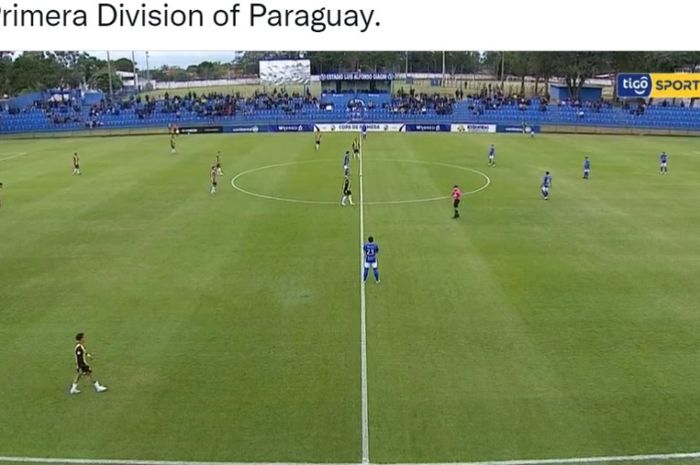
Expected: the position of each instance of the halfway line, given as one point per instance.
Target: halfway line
(363, 321)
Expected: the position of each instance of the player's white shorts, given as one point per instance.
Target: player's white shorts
(345, 167)
(373, 265)
(586, 171)
(545, 190)
(663, 165)
(491, 157)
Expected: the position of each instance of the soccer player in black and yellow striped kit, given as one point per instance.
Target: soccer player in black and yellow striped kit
(83, 367)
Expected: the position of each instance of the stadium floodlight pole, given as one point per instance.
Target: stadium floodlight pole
(109, 73)
(133, 68)
(148, 70)
(443, 69)
(503, 69)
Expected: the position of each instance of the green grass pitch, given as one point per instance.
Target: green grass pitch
(227, 326)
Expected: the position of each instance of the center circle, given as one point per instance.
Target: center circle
(487, 182)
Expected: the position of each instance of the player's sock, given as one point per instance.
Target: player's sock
(74, 389)
(350, 199)
(376, 274)
(366, 273)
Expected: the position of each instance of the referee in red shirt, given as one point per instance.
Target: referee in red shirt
(456, 197)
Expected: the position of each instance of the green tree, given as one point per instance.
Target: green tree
(577, 67)
(101, 81)
(5, 75)
(124, 65)
(519, 64)
(462, 62)
(35, 71)
(88, 67)
(544, 67)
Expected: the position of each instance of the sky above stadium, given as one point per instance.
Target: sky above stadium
(158, 59)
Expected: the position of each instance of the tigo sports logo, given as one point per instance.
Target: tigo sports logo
(658, 85)
(634, 85)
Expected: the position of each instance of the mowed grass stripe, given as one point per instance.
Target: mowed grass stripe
(424, 314)
(211, 320)
(569, 292)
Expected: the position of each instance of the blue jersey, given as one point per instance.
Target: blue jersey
(664, 158)
(364, 129)
(492, 151)
(371, 250)
(547, 181)
(586, 164)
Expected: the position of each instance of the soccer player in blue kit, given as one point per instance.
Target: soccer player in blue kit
(346, 161)
(371, 250)
(492, 155)
(586, 168)
(546, 184)
(364, 131)
(663, 162)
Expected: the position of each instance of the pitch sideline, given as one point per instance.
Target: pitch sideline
(567, 461)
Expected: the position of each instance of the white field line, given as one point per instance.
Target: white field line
(10, 155)
(573, 460)
(363, 319)
(42, 460)
(325, 202)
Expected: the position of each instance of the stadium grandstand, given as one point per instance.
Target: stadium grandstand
(59, 110)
